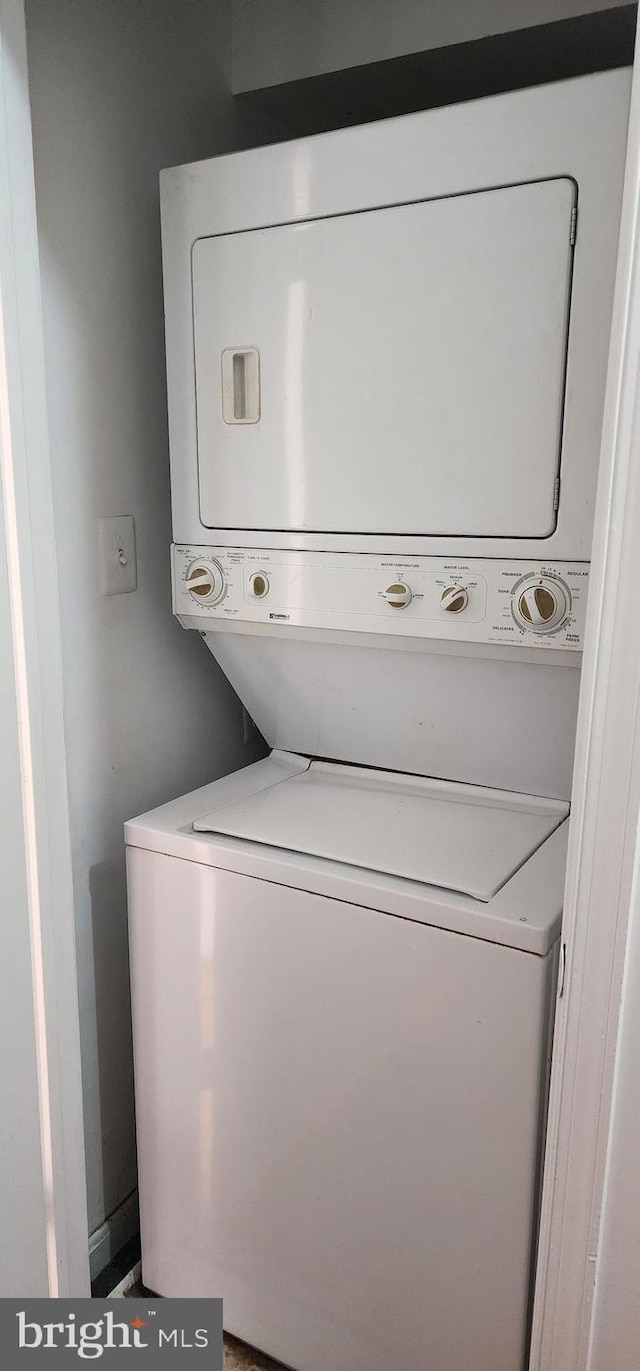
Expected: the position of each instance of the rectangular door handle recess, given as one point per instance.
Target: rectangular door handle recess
(241, 385)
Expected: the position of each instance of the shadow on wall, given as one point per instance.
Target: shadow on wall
(108, 897)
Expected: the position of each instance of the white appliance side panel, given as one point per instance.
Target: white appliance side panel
(486, 721)
(338, 1117)
(411, 367)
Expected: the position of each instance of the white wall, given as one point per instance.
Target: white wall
(23, 1254)
(42, 1192)
(118, 90)
(287, 40)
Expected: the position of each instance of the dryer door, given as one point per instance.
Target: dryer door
(399, 370)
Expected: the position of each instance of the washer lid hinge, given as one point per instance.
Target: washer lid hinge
(556, 494)
(573, 230)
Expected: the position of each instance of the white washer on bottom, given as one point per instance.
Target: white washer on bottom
(342, 991)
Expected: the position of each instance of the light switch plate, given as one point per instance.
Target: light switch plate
(117, 549)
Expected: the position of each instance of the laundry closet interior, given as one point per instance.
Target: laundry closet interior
(341, 690)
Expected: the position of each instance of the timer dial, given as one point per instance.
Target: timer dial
(541, 605)
(205, 582)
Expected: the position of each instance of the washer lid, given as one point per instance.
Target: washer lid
(457, 837)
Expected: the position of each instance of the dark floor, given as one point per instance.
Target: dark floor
(237, 1355)
(106, 1281)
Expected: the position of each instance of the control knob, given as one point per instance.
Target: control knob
(542, 605)
(205, 582)
(454, 599)
(258, 585)
(398, 595)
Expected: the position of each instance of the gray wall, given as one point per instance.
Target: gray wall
(287, 40)
(119, 90)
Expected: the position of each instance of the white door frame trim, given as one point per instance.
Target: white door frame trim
(28, 511)
(603, 848)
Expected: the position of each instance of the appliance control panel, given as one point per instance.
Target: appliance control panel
(530, 604)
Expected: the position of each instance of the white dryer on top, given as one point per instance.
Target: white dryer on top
(394, 338)
(387, 348)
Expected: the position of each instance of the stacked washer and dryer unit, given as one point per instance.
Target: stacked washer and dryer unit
(386, 356)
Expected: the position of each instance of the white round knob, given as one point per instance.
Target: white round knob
(398, 595)
(258, 585)
(542, 605)
(454, 599)
(205, 582)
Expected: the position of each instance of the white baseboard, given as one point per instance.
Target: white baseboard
(112, 1235)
